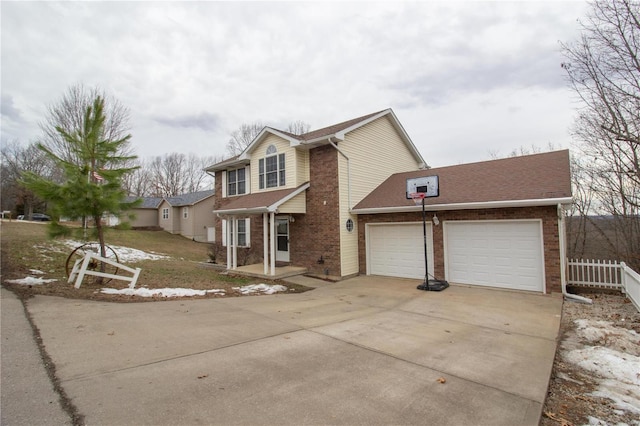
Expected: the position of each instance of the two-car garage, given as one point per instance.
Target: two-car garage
(495, 253)
(497, 223)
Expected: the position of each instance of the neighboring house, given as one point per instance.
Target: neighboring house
(145, 215)
(334, 202)
(189, 215)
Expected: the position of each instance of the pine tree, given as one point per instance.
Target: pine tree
(93, 182)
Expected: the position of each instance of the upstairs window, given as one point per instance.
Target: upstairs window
(271, 169)
(236, 182)
(165, 213)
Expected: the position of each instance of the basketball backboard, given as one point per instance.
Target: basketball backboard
(427, 185)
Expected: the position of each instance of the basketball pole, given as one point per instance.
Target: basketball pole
(428, 285)
(424, 238)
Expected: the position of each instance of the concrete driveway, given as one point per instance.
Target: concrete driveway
(367, 350)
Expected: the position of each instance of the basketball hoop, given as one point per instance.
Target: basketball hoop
(418, 197)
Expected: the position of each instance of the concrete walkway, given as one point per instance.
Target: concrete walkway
(363, 351)
(27, 396)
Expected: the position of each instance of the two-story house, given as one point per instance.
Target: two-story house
(290, 196)
(335, 203)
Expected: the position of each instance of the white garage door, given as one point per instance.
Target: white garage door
(506, 254)
(397, 250)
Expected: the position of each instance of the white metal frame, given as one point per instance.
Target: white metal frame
(80, 270)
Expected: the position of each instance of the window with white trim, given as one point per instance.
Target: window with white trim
(271, 169)
(185, 212)
(236, 182)
(244, 238)
(165, 213)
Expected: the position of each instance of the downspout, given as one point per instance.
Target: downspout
(563, 260)
(348, 171)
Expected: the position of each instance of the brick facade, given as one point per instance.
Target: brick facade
(548, 215)
(315, 236)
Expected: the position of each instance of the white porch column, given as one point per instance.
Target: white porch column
(265, 236)
(235, 242)
(272, 240)
(227, 231)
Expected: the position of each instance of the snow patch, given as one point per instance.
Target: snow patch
(125, 254)
(163, 292)
(31, 281)
(604, 333)
(615, 364)
(36, 272)
(260, 288)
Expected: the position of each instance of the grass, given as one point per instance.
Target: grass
(25, 246)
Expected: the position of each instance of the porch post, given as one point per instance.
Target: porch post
(235, 242)
(228, 237)
(272, 240)
(265, 236)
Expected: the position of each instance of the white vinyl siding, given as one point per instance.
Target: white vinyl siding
(301, 168)
(504, 254)
(370, 163)
(298, 204)
(397, 249)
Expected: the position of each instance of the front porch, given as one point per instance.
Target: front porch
(257, 270)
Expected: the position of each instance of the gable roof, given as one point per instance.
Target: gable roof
(531, 180)
(189, 199)
(323, 136)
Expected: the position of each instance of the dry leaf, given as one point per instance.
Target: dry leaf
(442, 380)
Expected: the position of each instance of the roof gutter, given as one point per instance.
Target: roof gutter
(241, 212)
(467, 206)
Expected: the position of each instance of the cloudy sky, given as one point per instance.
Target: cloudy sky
(466, 79)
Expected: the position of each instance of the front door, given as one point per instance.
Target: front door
(282, 239)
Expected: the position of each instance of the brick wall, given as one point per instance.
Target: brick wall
(315, 235)
(548, 214)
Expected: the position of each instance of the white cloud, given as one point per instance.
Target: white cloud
(191, 72)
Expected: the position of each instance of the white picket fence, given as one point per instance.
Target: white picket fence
(606, 274)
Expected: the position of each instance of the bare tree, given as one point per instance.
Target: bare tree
(17, 159)
(138, 183)
(174, 174)
(298, 127)
(523, 150)
(67, 116)
(603, 69)
(242, 137)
